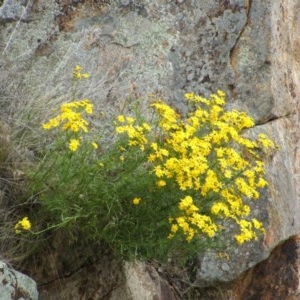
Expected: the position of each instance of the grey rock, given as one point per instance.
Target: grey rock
(12, 10)
(125, 2)
(15, 285)
(225, 267)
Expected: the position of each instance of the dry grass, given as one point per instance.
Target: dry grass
(11, 190)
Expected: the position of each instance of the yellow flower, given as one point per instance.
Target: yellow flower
(52, 123)
(257, 224)
(130, 120)
(154, 146)
(136, 201)
(77, 68)
(189, 96)
(121, 118)
(161, 183)
(220, 208)
(85, 75)
(174, 228)
(74, 144)
(94, 145)
(23, 224)
(185, 203)
(159, 172)
(265, 141)
(147, 126)
(220, 93)
(120, 129)
(77, 73)
(88, 108)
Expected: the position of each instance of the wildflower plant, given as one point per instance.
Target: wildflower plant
(163, 186)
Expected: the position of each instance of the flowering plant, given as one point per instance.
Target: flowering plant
(204, 156)
(161, 183)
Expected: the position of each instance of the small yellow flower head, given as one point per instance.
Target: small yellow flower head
(85, 75)
(161, 183)
(121, 118)
(147, 127)
(265, 141)
(130, 120)
(23, 224)
(257, 224)
(120, 129)
(189, 96)
(74, 144)
(95, 145)
(88, 107)
(52, 123)
(220, 93)
(185, 203)
(77, 73)
(136, 201)
(77, 68)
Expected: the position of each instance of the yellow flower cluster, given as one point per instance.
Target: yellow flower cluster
(71, 116)
(23, 224)
(191, 222)
(136, 133)
(247, 233)
(77, 73)
(70, 119)
(74, 144)
(169, 118)
(207, 155)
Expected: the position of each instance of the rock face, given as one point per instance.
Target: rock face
(275, 278)
(144, 282)
(249, 49)
(103, 278)
(14, 285)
